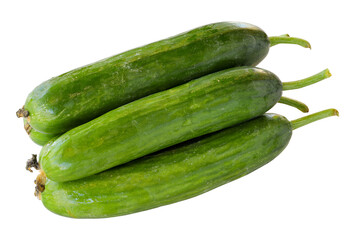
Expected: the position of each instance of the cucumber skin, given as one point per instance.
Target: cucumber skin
(78, 96)
(38, 137)
(201, 106)
(172, 175)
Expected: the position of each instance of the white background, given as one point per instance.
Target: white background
(303, 194)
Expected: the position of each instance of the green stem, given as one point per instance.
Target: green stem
(294, 103)
(313, 117)
(289, 40)
(307, 81)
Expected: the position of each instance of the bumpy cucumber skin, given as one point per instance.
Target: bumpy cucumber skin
(38, 137)
(172, 175)
(83, 94)
(201, 106)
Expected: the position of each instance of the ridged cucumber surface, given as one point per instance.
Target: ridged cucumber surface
(172, 175)
(199, 107)
(78, 96)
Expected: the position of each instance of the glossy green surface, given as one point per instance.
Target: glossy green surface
(39, 137)
(175, 174)
(83, 94)
(201, 106)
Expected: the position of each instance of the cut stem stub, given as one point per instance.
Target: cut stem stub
(40, 182)
(27, 128)
(32, 163)
(22, 113)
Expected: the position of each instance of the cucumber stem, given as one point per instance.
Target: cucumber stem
(297, 123)
(294, 103)
(22, 113)
(307, 81)
(32, 162)
(286, 39)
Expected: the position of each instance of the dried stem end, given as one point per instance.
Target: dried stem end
(40, 182)
(22, 113)
(32, 163)
(27, 128)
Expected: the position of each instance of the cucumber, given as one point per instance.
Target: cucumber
(43, 138)
(177, 173)
(201, 106)
(78, 96)
(36, 136)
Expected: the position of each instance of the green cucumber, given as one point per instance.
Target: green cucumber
(177, 173)
(43, 138)
(201, 106)
(78, 96)
(36, 136)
